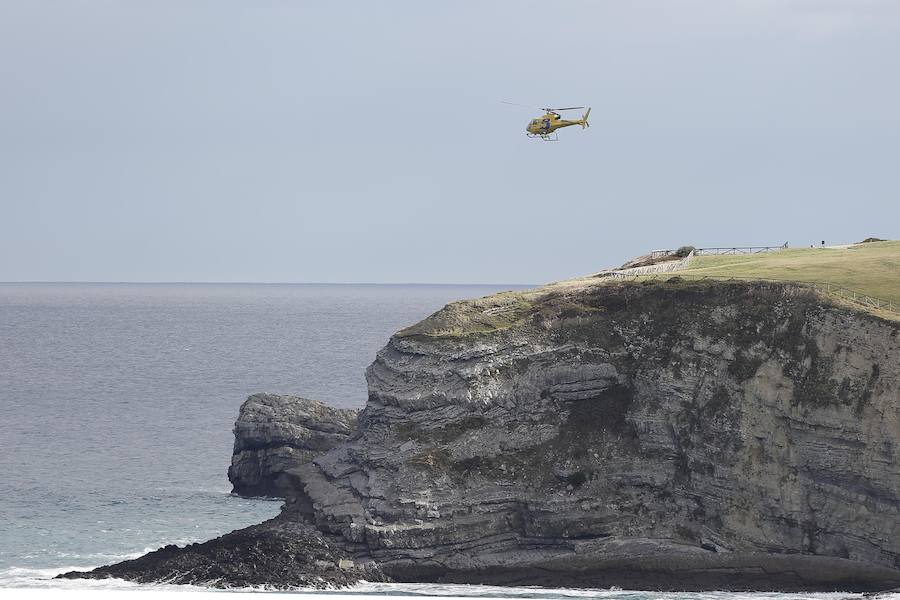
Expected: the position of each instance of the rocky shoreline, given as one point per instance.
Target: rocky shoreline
(664, 436)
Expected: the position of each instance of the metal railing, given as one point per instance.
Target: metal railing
(830, 289)
(724, 250)
(739, 250)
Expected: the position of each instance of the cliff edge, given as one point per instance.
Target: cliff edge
(668, 435)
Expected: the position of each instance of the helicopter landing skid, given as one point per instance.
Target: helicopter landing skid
(544, 136)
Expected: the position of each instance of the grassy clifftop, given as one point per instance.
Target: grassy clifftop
(872, 268)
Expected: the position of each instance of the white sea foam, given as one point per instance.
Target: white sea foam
(40, 583)
(115, 588)
(487, 591)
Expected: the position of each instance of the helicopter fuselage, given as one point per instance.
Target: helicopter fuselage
(550, 122)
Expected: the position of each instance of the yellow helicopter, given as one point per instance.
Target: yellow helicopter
(545, 127)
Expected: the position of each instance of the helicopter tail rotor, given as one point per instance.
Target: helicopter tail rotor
(584, 119)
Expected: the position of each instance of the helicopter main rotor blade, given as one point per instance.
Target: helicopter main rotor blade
(516, 104)
(544, 108)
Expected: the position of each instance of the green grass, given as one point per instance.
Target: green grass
(872, 268)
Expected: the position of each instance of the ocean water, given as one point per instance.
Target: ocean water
(117, 402)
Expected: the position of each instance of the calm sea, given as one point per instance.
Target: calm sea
(117, 402)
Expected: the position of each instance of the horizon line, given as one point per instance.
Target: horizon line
(252, 283)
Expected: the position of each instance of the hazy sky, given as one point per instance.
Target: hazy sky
(179, 140)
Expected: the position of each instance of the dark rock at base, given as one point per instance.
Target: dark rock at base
(280, 553)
(672, 572)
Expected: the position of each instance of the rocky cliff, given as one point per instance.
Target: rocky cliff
(274, 433)
(668, 435)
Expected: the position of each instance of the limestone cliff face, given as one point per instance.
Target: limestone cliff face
(275, 433)
(654, 436)
(710, 434)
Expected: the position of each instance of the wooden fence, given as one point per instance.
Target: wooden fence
(858, 297)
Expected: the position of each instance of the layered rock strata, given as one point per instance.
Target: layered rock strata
(275, 433)
(671, 435)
